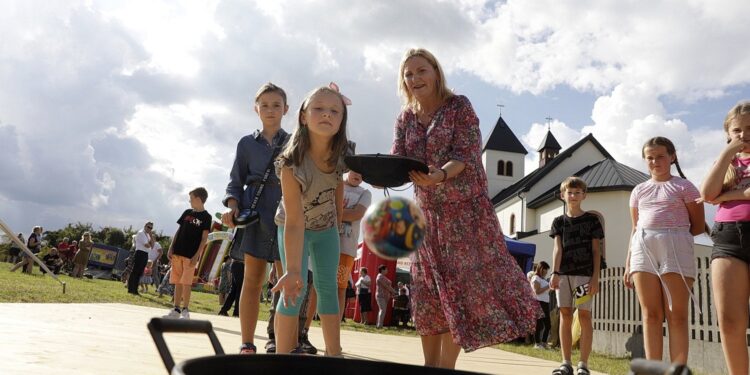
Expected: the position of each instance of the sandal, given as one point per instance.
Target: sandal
(564, 369)
(583, 371)
(248, 348)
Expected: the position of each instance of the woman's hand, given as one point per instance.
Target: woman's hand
(290, 286)
(435, 176)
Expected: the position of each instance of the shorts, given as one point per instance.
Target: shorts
(731, 239)
(257, 240)
(662, 251)
(346, 262)
(566, 292)
(14, 251)
(182, 271)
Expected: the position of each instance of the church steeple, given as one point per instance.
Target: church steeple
(549, 149)
(503, 157)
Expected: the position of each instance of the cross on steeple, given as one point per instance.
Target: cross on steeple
(549, 121)
(501, 108)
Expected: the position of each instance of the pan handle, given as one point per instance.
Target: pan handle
(158, 326)
(640, 366)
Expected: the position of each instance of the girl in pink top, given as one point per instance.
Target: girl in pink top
(727, 185)
(660, 262)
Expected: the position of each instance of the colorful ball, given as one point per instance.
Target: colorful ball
(394, 227)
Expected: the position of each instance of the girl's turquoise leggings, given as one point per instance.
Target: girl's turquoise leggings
(322, 248)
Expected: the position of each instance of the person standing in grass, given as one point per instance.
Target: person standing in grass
(575, 276)
(185, 250)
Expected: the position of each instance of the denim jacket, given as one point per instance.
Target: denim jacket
(250, 163)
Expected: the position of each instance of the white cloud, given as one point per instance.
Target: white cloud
(111, 111)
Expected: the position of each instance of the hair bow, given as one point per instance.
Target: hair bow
(333, 86)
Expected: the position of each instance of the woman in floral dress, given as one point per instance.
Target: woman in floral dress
(442, 130)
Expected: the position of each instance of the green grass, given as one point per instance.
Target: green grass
(597, 362)
(18, 287)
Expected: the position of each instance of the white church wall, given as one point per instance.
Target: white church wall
(513, 208)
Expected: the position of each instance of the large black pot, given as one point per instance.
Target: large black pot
(269, 364)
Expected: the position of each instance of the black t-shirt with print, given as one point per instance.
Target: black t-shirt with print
(192, 224)
(576, 234)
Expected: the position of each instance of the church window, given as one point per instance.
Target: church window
(509, 168)
(512, 224)
(501, 168)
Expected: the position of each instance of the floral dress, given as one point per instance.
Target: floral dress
(497, 306)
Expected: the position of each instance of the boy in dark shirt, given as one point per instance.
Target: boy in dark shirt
(575, 275)
(185, 250)
(52, 261)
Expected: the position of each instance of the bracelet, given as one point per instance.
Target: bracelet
(556, 273)
(445, 174)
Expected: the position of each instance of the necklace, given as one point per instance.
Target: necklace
(426, 118)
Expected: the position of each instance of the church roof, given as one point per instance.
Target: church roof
(550, 142)
(503, 139)
(606, 175)
(525, 184)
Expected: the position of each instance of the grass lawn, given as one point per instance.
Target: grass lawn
(18, 287)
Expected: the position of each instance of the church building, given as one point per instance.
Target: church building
(527, 204)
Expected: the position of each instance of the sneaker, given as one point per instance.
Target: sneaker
(185, 313)
(299, 350)
(305, 344)
(271, 346)
(222, 313)
(173, 314)
(538, 346)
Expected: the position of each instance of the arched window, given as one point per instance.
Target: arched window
(512, 223)
(501, 168)
(509, 168)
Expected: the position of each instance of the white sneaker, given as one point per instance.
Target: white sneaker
(173, 314)
(185, 314)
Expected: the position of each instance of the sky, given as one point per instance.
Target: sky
(111, 111)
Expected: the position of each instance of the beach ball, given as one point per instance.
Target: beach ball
(394, 228)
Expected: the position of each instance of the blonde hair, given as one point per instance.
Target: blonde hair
(740, 109)
(409, 101)
(270, 87)
(299, 144)
(573, 182)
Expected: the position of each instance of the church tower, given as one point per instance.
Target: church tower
(503, 158)
(549, 149)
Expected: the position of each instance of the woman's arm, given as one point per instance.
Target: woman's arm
(538, 287)
(290, 283)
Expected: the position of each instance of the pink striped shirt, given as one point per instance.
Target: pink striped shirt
(737, 210)
(662, 204)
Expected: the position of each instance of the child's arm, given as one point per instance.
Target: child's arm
(171, 244)
(355, 213)
(554, 281)
(731, 195)
(290, 283)
(596, 249)
(697, 217)
(634, 223)
(204, 238)
(339, 203)
(712, 184)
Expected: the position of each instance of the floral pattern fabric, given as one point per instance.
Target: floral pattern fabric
(464, 280)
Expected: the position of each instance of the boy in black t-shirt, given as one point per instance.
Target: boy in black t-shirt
(185, 250)
(575, 275)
